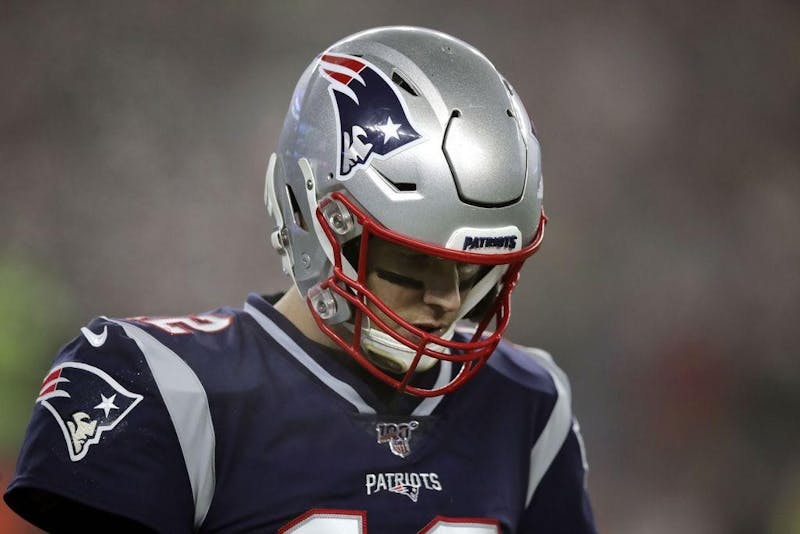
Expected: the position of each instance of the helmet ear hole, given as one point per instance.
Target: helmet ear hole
(402, 81)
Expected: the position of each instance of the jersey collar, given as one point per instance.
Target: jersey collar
(332, 369)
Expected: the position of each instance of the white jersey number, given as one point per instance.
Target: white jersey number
(347, 522)
(188, 323)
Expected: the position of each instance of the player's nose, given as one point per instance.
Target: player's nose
(443, 296)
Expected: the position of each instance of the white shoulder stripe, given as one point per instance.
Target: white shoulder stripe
(576, 429)
(557, 428)
(343, 389)
(187, 404)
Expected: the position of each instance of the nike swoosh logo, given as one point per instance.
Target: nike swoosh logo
(95, 340)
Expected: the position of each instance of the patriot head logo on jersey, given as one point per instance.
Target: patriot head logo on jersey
(372, 117)
(85, 402)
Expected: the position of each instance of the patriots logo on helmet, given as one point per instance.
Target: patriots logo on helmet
(86, 402)
(372, 118)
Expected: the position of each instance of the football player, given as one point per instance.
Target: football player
(376, 393)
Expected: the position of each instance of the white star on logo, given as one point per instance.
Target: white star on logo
(389, 130)
(107, 404)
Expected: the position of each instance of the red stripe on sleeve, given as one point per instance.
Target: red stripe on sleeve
(52, 376)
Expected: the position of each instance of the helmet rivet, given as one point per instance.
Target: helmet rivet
(306, 259)
(338, 217)
(309, 185)
(323, 302)
(280, 240)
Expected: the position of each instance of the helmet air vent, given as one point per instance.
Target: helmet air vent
(403, 187)
(297, 215)
(402, 81)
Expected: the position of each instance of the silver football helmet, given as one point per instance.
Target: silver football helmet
(411, 136)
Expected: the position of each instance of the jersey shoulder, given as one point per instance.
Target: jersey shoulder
(529, 367)
(155, 371)
(101, 356)
(193, 333)
(160, 344)
(98, 418)
(223, 350)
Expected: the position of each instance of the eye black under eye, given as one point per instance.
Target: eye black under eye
(399, 279)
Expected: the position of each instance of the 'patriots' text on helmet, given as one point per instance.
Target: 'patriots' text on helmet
(410, 136)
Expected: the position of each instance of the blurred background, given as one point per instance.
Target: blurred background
(133, 143)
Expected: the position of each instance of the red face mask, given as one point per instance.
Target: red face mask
(337, 213)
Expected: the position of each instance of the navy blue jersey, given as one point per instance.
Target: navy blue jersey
(233, 421)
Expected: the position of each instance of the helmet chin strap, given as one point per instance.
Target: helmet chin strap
(399, 356)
